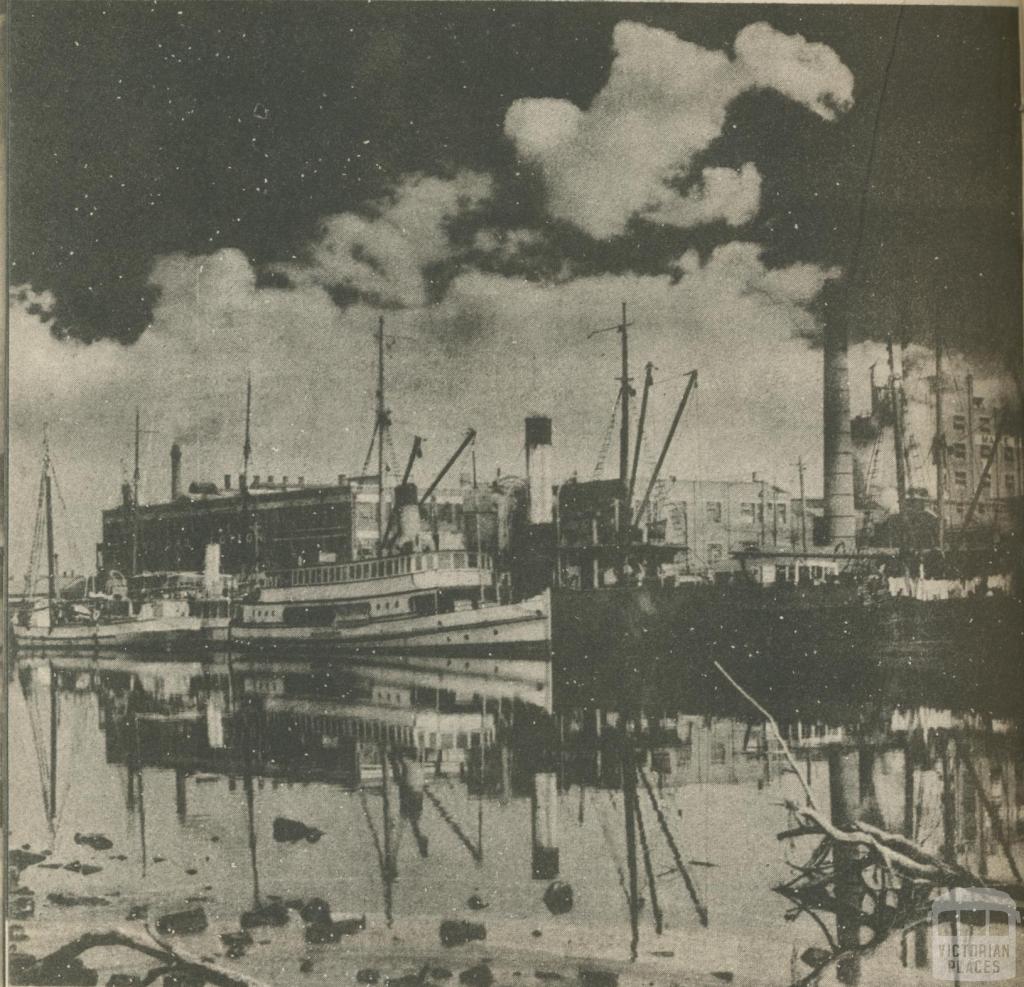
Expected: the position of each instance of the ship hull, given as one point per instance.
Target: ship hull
(158, 634)
(811, 646)
(502, 631)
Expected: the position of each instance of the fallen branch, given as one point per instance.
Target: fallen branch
(793, 766)
(153, 947)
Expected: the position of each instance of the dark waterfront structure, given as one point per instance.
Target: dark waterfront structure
(281, 526)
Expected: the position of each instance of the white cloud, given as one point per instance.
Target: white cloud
(384, 255)
(666, 101)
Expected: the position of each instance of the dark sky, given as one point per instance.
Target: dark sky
(140, 130)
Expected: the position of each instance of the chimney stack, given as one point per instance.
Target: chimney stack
(175, 471)
(407, 504)
(840, 515)
(538, 469)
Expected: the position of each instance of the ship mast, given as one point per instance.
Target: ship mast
(247, 445)
(626, 391)
(897, 430)
(51, 569)
(940, 445)
(135, 501)
(382, 424)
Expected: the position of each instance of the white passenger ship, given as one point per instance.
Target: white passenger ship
(437, 602)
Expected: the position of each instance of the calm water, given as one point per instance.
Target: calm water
(440, 796)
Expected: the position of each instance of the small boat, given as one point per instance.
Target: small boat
(157, 615)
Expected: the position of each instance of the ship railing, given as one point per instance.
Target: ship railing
(385, 568)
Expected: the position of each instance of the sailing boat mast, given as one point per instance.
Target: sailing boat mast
(382, 424)
(51, 559)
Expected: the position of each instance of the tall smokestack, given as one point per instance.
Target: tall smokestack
(538, 469)
(840, 515)
(175, 471)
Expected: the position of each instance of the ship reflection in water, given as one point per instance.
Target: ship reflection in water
(332, 824)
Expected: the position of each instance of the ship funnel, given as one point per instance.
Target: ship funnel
(408, 507)
(840, 514)
(538, 468)
(175, 471)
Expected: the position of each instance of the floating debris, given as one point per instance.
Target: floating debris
(477, 976)
(20, 859)
(17, 933)
(315, 910)
(440, 973)
(306, 966)
(547, 975)
(182, 923)
(137, 913)
(326, 932)
(477, 903)
(598, 978)
(558, 897)
(23, 907)
(367, 976)
(236, 943)
(815, 956)
(74, 900)
(95, 840)
(273, 914)
(77, 867)
(455, 932)
(124, 980)
(292, 831)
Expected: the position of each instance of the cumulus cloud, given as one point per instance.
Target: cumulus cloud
(386, 254)
(664, 103)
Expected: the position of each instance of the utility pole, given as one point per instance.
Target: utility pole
(803, 506)
(624, 428)
(940, 445)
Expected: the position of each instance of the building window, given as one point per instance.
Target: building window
(780, 510)
(748, 512)
(714, 553)
(1009, 454)
(1010, 484)
(958, 450)
(985, 423)
(715, 511)
(959, 422)
(985, 451)
(960, 478)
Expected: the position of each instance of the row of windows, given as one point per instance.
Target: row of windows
(399, 565)
(983, 423)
